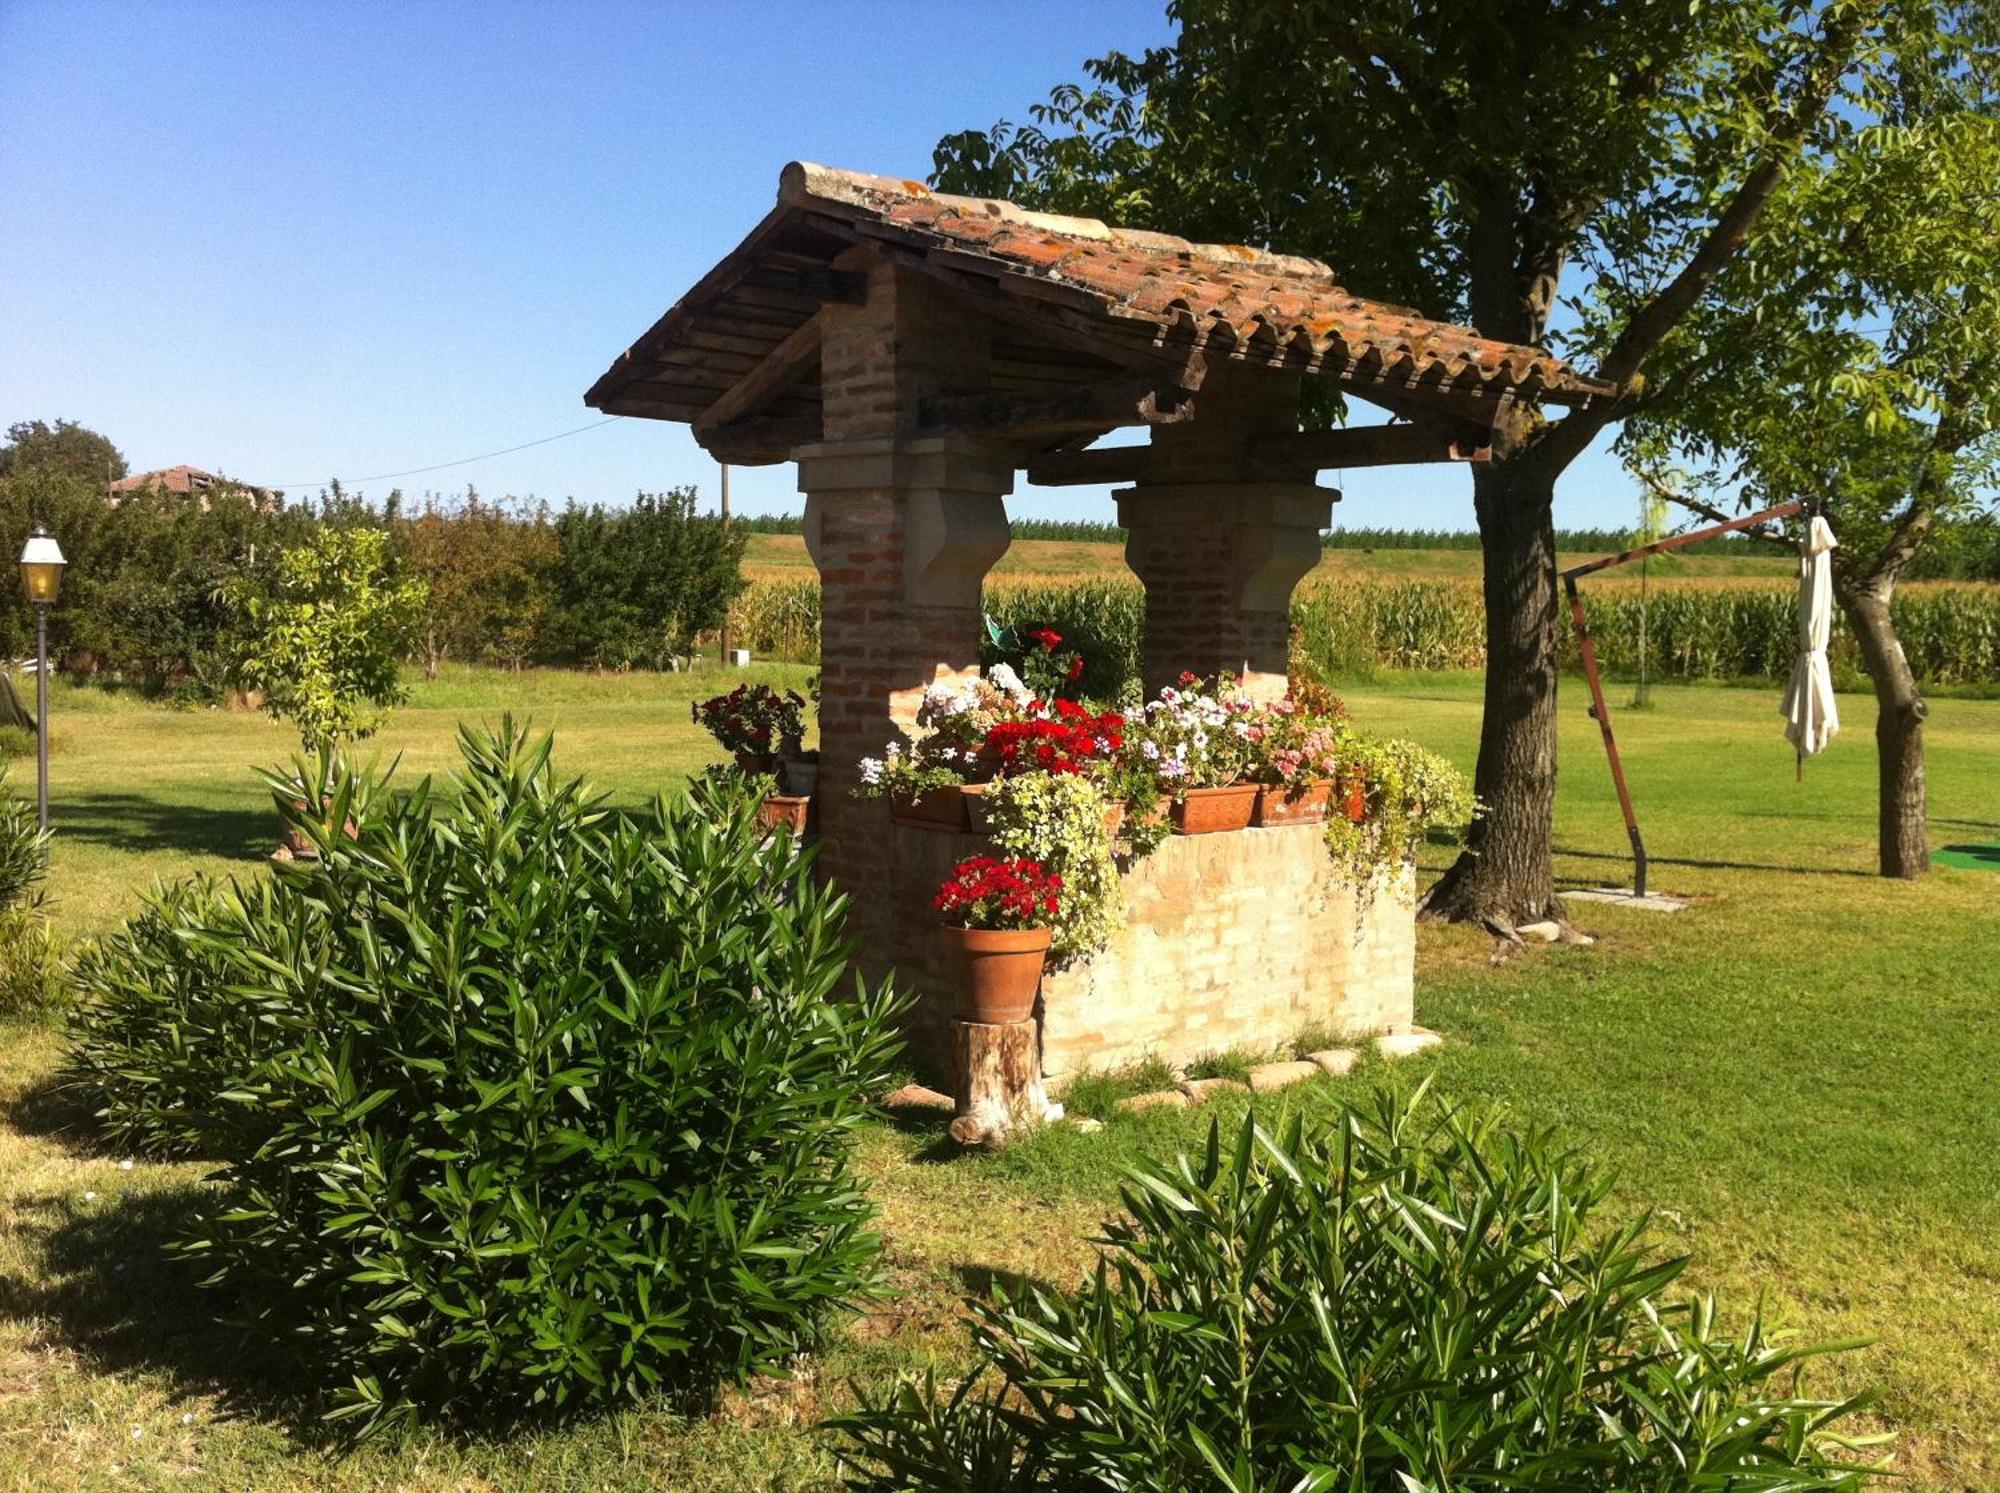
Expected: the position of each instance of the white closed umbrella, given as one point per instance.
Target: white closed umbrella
(1811, 716)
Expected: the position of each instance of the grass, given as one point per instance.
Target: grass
(1795, 1074)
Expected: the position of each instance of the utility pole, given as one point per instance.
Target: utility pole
(725, 530)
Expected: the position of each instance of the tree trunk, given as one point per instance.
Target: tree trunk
(1903, 847)
(1506, 876)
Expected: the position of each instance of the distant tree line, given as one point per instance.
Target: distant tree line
(158, 586)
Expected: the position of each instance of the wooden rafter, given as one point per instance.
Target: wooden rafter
(783, 366)
(1041, 414)
(1318, 450)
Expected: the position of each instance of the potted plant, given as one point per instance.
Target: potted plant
(997, 915)
(925, 780)
(1294, 762)
(1197, 736)
(1059, 737)
(754, 723)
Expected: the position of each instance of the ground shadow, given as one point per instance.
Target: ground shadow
(107, 1289)
(1984, 856)
(983, 1281)
(51, 1108)
(132, 821)
(1673, 860)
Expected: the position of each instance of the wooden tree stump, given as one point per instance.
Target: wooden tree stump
(997, 1081)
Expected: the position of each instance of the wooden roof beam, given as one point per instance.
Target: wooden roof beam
(1372, 446)
(1315, 450)
(1042, 414)
(782, 367)
(760, 440)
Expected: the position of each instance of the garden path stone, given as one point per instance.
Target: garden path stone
(1406, 1044)
(916, 1096)
(1335, 1062)
(1200, 1090)
(1158, 1099)
(1268, 1076)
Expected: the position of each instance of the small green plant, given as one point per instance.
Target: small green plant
(16, 742)
(1413, 1299)
(522, 1103)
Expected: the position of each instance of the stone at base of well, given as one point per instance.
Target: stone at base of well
(1227, 942)
(1335, 1062)
(1406, 1044)
(1268, 1076)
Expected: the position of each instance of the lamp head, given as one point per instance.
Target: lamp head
(41, 566)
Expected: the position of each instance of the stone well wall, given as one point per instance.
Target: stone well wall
(1242, 939)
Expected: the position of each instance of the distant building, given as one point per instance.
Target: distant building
(186, 481)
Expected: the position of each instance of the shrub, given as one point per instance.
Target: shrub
(32, 978)
(24, 849)
(1415, 1301)
(528, 1104)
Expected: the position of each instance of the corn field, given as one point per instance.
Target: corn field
(1951, 633)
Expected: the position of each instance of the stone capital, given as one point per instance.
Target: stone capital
(876, 463)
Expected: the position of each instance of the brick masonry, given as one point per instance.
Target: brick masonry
(1239, 940)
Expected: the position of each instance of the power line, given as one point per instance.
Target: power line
(442, 465)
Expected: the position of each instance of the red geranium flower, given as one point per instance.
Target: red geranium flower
(1048, 637)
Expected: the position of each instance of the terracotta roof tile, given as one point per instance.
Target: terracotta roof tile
(1252, 306)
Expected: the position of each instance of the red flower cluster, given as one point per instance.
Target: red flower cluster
(1048, 637)
(987, 893)
(1058, 736)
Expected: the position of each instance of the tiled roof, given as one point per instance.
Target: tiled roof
(181, 479)
(1248, 303)
(1137, 290)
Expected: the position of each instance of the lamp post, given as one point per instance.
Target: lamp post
(41, 574)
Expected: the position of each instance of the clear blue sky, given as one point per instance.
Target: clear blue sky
(291, 241)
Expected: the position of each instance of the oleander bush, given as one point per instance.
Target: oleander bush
(23, 849)
(522, 1103)
(1414, 1300)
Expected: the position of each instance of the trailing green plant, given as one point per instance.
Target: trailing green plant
(1409, 794)
(528, 1104)
(24, 849)
(1057, 821)
(1406, 1299)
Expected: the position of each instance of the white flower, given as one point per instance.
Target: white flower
(90, 1197)
(871, 771)
(1103, 745)
(1150, 751)
(1003, 678)
(1172, 769)
(125, 1166)
(1169, 695)
(187, 1419)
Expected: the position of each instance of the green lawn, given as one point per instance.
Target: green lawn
(1796, 1073)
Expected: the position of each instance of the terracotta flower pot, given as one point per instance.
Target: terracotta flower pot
(999, 971)
(1354, 799)
(938, 809)
(1209, 811)
(1298, 803)
(791, 813)
(976, 818)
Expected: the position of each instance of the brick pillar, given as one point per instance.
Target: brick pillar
(1219, 561)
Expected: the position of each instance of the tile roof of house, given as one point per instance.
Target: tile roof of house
(1139, 289)
(180, 479)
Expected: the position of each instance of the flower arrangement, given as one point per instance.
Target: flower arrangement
(956, 720)
(1197, 734)
(988, 892)
(1050, 670)
(754, 720)
(1057, 736)
(1292, 747)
